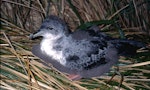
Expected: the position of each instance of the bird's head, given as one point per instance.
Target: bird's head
(51, 27)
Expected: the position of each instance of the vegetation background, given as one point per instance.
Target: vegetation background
(21, 70)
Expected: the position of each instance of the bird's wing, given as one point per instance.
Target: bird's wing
(111, 57)
(87, 55)
(98, 63)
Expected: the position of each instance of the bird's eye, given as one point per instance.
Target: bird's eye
(49, 28)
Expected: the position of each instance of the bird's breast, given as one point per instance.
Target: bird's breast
(47, 47)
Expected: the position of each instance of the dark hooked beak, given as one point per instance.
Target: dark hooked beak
(35, 35)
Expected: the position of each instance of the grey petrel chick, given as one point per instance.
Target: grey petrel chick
(83, 53)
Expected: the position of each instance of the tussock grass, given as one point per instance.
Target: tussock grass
(20, 69)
